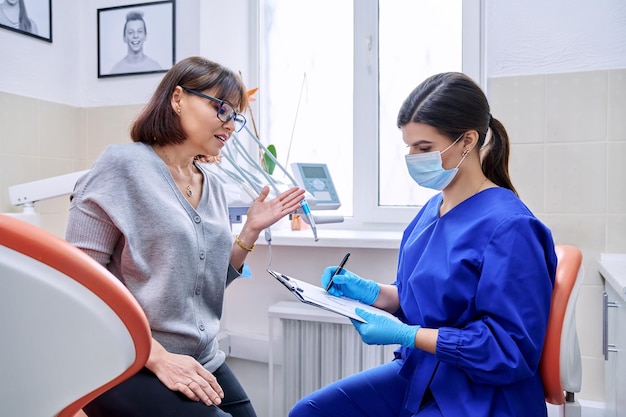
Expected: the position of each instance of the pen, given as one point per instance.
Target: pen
(338, 270)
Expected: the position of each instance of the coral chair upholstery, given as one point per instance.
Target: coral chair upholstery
(560, 366)
(70, 330)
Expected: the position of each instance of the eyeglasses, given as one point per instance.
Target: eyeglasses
(225, 112)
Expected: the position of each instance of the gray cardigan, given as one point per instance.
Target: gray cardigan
(128, 214)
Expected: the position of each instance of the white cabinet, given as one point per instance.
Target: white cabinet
(613, 270)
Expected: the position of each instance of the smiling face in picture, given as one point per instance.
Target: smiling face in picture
(135, 35)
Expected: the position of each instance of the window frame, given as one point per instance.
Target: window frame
(365, 124)
(366, 211)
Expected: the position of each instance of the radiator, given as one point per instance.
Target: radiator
(310, 348)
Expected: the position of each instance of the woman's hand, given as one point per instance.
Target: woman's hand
(184, 374)
(263, 213)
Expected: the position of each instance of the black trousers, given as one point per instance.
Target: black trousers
(144, 395)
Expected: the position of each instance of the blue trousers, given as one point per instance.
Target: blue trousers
(376, 392)
(144, 394)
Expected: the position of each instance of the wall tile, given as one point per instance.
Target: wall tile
(519, 103)
(616, 234)
(55, 223)
(84, 137)
(616, 129)
(18, 118)
(54, 205)
(59, 128)
(50, 147)
(576, 107)
(616, 178)
(108, 125)
(51, 167)
(102, 130)
(575, 181)
(41, 139)
(587, 232)
(529, 183)
(17, 169)
(4, 195)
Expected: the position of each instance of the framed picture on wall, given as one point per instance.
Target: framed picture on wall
(28, 17)
(136, 39)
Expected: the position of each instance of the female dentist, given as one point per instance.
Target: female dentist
(474, 280)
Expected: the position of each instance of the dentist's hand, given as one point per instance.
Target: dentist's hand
(381, 330)
(350, 285)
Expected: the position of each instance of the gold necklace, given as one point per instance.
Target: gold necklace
(480, 186)
(475, 192)
(169, 164)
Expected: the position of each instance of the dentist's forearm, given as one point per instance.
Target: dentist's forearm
(387, 298)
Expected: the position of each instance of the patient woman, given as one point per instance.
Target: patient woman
(474, 279)
(158, 220)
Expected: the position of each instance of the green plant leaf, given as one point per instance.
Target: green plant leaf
(268, 163)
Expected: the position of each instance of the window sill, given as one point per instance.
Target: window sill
(341, 235)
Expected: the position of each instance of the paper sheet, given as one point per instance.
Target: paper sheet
(317, 296)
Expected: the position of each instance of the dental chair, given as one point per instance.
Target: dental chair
(560, 366)
(70, 330)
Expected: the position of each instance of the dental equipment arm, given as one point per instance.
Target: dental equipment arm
(303, 204)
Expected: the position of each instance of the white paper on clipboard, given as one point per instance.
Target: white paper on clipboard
(318, 297)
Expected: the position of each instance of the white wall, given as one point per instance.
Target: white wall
(554, 36)
(528, 37)
(227, 34)
(49, 71)
(65, 71)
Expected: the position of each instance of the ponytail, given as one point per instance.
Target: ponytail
(494, 156)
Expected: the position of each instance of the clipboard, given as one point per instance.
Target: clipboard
(318, 297)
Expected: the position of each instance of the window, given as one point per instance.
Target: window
(333, 76)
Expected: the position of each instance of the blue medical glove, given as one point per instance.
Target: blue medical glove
(381, 330)
(351, 285)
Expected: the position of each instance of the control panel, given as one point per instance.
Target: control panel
(316, 179)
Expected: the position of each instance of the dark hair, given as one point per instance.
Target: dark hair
(135, 15)
(159, 124)
(453, 103)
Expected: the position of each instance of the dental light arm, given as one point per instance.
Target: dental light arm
(304, 204)
(27, 194)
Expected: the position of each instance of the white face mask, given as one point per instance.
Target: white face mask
(427, 168)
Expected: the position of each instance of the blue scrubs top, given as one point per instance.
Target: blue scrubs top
(483, 275)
